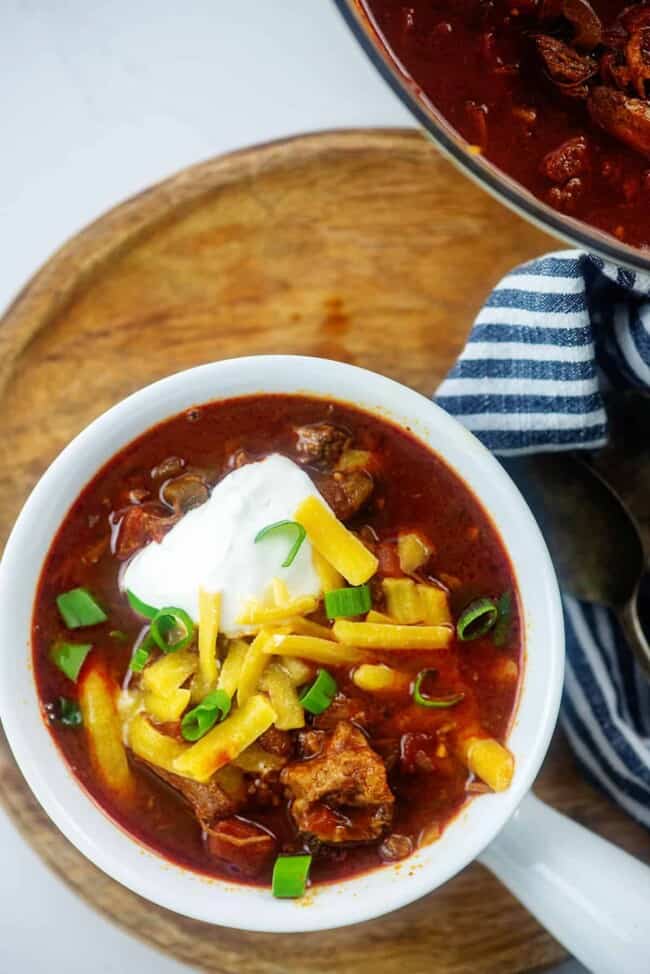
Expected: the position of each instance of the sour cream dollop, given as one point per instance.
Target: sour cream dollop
(213, 546)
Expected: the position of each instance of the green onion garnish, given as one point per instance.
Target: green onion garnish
(197, 722)
(69, 712)
(118, 635)
(141, 652)
(69, 657)
(424, 700)
(171, 629)
(477, 619)
(78, 608)
(139, 659)
(320, 694)
(502, 628)
(139, 606)
(285, 526)
(290, 875)
(348, 601)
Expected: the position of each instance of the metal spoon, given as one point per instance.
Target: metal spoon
(593, 539)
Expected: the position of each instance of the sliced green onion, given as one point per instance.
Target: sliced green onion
(141, 652)
(118, 635)
(69, 657)
(172, 629)
(284, 526)
(290, 874)
(348, 601)
(197, 722)
(502, 628)
(69, 712)
(424, 700)
(477, 619)
(139, 606)
(320, 694)
(78, 608)
(139, 659)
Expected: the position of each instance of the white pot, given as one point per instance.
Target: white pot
(560, 871)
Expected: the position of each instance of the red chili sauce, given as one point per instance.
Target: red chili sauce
(551, 91)
(412, 490)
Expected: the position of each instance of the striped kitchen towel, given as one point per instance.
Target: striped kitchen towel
(550, 336)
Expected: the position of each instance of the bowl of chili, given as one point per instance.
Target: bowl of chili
(317, 860)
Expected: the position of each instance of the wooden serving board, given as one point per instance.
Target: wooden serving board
(364, 246)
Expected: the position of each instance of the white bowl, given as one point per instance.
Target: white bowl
(146, 872)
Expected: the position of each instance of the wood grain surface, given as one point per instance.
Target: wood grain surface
(363, 246)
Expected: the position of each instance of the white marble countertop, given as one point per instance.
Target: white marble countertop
(99, 100)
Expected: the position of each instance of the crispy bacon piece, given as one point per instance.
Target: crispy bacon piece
(342, 794)
(627, 119)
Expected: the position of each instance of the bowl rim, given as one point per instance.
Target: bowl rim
(482, 172)
(91, 830)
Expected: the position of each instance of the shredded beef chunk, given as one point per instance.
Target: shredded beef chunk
(277, 742)
(569, 160)
(321, 444)
(362, 711)
(139, 525)
(627, 119)
(342, 794)
(248, 848)
(208, 801)
(346, 492)
(565, 67)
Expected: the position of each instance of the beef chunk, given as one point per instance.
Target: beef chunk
(395, 847)
(311, 742)
(276, 742)
(137, 526)
(321, 444)
(342, 794)
(627, 119)
(246, 847)
(209, 801)
(569, 160)
(363, 711)
(346, 492)
(565, 67)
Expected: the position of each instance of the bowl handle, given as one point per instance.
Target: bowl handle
(590, 895)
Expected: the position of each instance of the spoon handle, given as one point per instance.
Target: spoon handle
(628, 616)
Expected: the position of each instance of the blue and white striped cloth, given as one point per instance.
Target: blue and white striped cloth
(552, 332)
